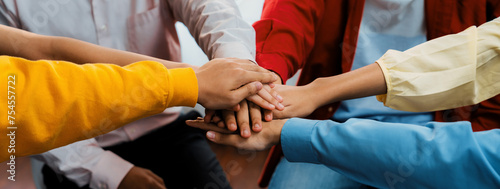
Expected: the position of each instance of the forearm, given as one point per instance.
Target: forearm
(362, 82)
(20, 43)
(51, 97)
(82, 52)
(389, 155)
(32, 46)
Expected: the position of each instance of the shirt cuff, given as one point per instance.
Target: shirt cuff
(234, 50)
(109, 171)
(383, 97)
(183, 87)
(275, 63)
(296, 140)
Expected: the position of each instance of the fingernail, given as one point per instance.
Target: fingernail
(246, 132)
(280, 106)
(233, 126)
(258, 85)
(271, 106)
(268, 117)
(279, 98)
(256, 126)
(210, 135)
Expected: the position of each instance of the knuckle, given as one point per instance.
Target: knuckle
(233, 100)
(256, 120)
(254, 106)
(243, 123)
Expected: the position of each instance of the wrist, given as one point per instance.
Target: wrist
(276, 130)
(279, 81)
(319, 93)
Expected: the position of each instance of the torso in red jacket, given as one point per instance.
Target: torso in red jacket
(320, 37)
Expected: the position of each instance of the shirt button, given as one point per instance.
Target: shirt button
(330, 109)
(104, 28)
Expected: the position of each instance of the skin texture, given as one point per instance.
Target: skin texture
(301, 101)
(267, 137)
(218, 92)
(252, 117)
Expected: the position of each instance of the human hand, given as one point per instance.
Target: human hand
(138, 178)
(232, 120)
(299, 101)
(269, 136)
(223, 83)
(228, 119)
(249, 113)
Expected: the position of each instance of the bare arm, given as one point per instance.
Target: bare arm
(34, 47)
(300, 101)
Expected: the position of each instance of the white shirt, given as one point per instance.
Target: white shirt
(141, 26)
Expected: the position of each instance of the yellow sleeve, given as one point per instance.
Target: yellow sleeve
(55, 103)
(448, 72)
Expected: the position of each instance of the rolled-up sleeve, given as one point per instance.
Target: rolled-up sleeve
(448, 72)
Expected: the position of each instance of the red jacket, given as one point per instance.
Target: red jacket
(320, 37)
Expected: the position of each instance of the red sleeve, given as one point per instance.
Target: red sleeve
(487, 115)
(493, 9)
(285, 34)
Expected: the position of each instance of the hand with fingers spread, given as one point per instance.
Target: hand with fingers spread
(223, 83)
(269, 136)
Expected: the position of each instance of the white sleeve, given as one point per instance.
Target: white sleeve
(85, 162)
(217, 27)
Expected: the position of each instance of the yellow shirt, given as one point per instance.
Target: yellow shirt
(55, 103)
(447, 72)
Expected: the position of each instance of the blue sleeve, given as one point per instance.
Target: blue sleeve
(394, 155)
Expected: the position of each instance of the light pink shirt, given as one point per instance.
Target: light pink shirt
(142, 26)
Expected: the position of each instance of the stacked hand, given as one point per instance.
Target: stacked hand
(269, 135)
(251, 112)
(295, 101)
(224, 83)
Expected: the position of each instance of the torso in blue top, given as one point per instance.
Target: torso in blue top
(386, 24)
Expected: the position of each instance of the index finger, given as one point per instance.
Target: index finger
(251, 76)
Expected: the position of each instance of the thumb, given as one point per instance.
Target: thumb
(247, 90)
(277, 114)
